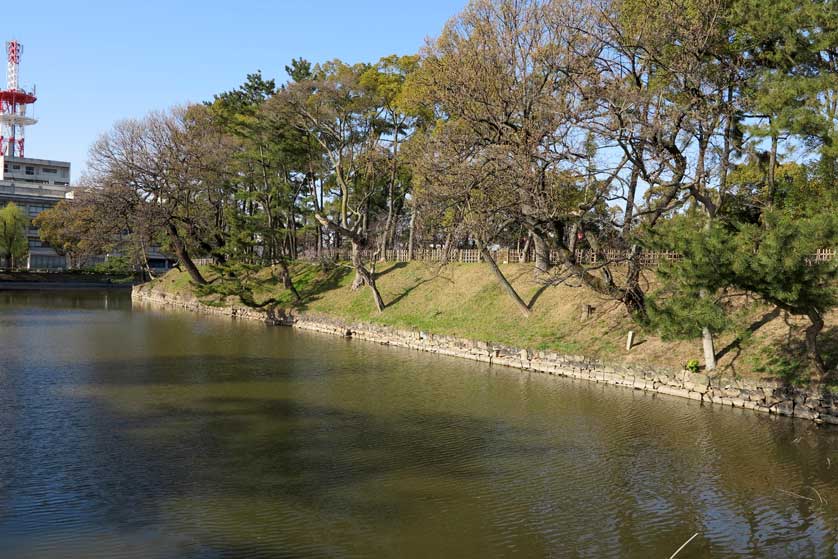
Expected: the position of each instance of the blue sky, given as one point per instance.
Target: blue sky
(95, 62)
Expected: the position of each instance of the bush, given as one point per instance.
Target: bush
(115, 266)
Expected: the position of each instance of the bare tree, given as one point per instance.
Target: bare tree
(172, 165)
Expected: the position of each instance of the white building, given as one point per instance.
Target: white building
(35, 185)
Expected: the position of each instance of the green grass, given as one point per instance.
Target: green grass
(465, 300)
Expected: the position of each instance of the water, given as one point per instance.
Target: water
(144, 434)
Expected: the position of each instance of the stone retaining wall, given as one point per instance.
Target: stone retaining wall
(765, 395)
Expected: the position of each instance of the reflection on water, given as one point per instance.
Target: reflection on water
(148, 434)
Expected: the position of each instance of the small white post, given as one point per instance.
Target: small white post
(630, 340)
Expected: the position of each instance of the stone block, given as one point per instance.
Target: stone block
(769, 398)
(672, 391)
(697, 378)
(752, 395)
(804, 413)
(783, 408)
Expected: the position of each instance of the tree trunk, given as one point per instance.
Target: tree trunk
(388, 224)
(772, 170)
(487, 256)
(812, 351)
(360, 279)
(709, 349)
(542, 253)
(628, 216)
(446, 248)
(183, 255)
(632, 297)
(292, 233)
(411, 234)
(522, 255)
(634, 291)
(287, 283)
(366, 277)
(362, 275)
(146, 266)
(703, 197)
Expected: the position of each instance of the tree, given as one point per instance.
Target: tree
(14, 245)
(777, 264)
(101, 218)
(386, 81)
(516, 83)
(71, 228)
(338, 112)
(171, 167)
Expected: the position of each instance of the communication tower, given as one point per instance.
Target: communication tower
(13, 103)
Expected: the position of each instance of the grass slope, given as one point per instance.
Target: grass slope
(465, 300)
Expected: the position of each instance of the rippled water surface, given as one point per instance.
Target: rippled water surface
(143, 434)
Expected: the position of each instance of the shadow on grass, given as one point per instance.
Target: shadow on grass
(789, 362)
(537, 294)
(394, 266)
(324, 281)
(737, 342)
(408, 291)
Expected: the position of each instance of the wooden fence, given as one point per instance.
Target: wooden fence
(501, 255)
(826, 254)
(508, 256)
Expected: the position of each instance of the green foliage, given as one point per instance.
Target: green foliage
(14, 245)
(693, 365)
(115, 265)
(775, 261)
(692, 294)
(234, 279)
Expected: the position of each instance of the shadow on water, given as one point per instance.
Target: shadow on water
(296, 459)
(228, 467)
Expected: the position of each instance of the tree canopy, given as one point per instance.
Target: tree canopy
(588, 132)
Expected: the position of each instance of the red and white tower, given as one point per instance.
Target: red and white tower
(13, 103)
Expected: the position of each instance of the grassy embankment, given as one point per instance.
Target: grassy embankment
(465, 300)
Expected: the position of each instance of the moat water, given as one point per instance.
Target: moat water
(128, 432)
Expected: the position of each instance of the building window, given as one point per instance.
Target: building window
(35, 210)
(30, 170)
(43, 261)
(15, 167)
(49, 170)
